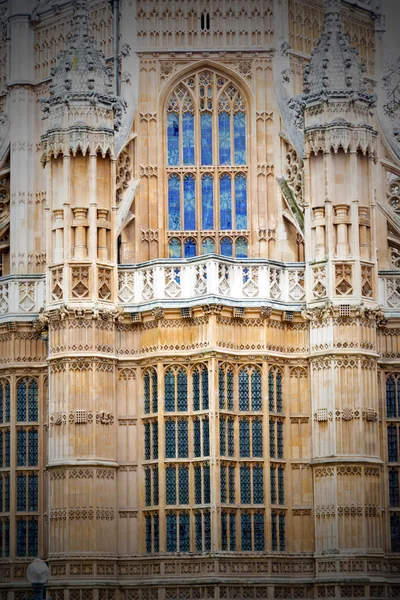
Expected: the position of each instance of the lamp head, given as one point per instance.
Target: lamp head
(37, 572)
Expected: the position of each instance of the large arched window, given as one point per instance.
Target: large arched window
(207, 167)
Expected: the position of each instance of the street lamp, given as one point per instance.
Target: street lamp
(37, 574)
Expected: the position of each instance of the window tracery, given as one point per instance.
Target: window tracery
(207, 167)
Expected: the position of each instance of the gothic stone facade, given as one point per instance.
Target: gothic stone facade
(199, 301)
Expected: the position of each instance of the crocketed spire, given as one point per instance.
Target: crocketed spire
(335, 68)
(81, 71)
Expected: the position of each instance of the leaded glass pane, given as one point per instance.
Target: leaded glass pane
(243, 390)
(224, 135)
(271, 392)
(279, 392)
(1, 402)
(222, 436)
(395, 532)
(272, 438)
(154, 384)
(398, 400)
(244, 438)
(7, 409)
(224, 531)
(21, 492)
(232, 532)
(272, 475)
(33, 540)
(171, 532)
(241, 247)
(33, 404)
(33, 449)
(196, 438)
(206, 476)
(390, 397)
(189, 203)
(174, 248)
(1, 497)
(182, 391)
(173, 139)
(197, 485)
(147, 487)
(21, 537)
(206, 138)
(148, 533)
(155, 485)
(245, 487)
(231, 437)
(2, 554)
(394, 488)
(282, 542)
(204, 389)
(225, 203)
(274, 533)
(7, 449)
(208, 246)
(183, 439)
(281, 485)
(207, 202)
(170, 485)
(256, 397)
(155, 440)
(258, 485)
(174, 203)
(184, 532)
(207, 531)
(146, 390)
(229, 379)
(147, 441)
(241, 201)
(221, 388)
(21, 401)
(245, 525)
(231, 484)
(239, 127)
(1, 449)
(169, 390)
(7, 494)
(21, 448)
(183, 476)
(170, 439)
(280, 439)
(223, 483)
(196, 389)
(206, 437)
(257, 445)
(156, 530)
(259, 531)
(188, 138)
(198, 531)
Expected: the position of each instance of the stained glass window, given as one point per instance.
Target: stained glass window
(272, 438)
(244, 437)
(197, 438)
(174, 203)
(231, 484)
(257, 445)
(245, 485)
(243, 389)
(198, 524)
(4, 401)
(197, 485)
(245, 526)
(231, 439)
(241, 201)
(174, 248)
(189, 203)
(184, 532)
(182, 390)
(272, 474)
(173, 139)
(241, 247)
(281, 485)
(258, 531)
(183, 439)
(224, 133)
(223, 483)
(258, 485)
(207, 202)
(207, 487)
(170, 438)
(183, 481)
(208, 246)
(206, 437)
(171, 532)
(395, 532)
(188, 138)
(170, 485)
(225, 202)
(392, 443)
(394, 487)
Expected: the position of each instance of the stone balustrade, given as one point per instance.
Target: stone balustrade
(389, 290)
(21, 297)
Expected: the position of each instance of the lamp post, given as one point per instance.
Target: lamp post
(37, 574)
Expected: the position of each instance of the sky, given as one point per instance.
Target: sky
(391, 9)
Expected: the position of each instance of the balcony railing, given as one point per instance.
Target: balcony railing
(21, 297)
(389, 290)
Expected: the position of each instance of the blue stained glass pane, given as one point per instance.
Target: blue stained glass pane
(155, 440)
(169, 390)
(183, 439)
(170, 485)
(256, 398)
(198, 524)
(183, 480)
(222, 477)
(174, 203)
(271, 392)
(188, 138)
(272, 476)
(206, 138)
(224, 133)
(281, 485)
(244, 438)
(245, 489)
(243, 390)
(21, 401)
(7, 410)
(241, 201)
(274, 533)
(7, 494)
(21, 492)
(154, 383)
(147, 487)
(230, 389)
(226, 247)
(33, 403)
(282, 543)
(232, 484)
(189, 202)
(258, 485)
(7, 449)
(245, 526)
(272, 438)
(21, 448)
(173, 138)
(174, 248)
(221, 388)
(207, 531)
(155, 485)
(208, 246)
(207, 202)
(224, 531)
(196, 389)
(148, 533)
(182, 391)
(279, 392)
(171, 532)
(390, 398)
(1, 449)
(146, 386)
(239, 128)
(225, 202)
(147, 441)
(197, 485)
(232, 532)
(21, 538)
(257, 445)
(156, 530)
(280, 439)
(222, 437)
(259, 531)
(241, 247)
(206, 476)
(33, 492)
(206, 437)
(231, 437)
(204, 389)
(190, 248)
(197, 438)
(184, 532)
(170, 441)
